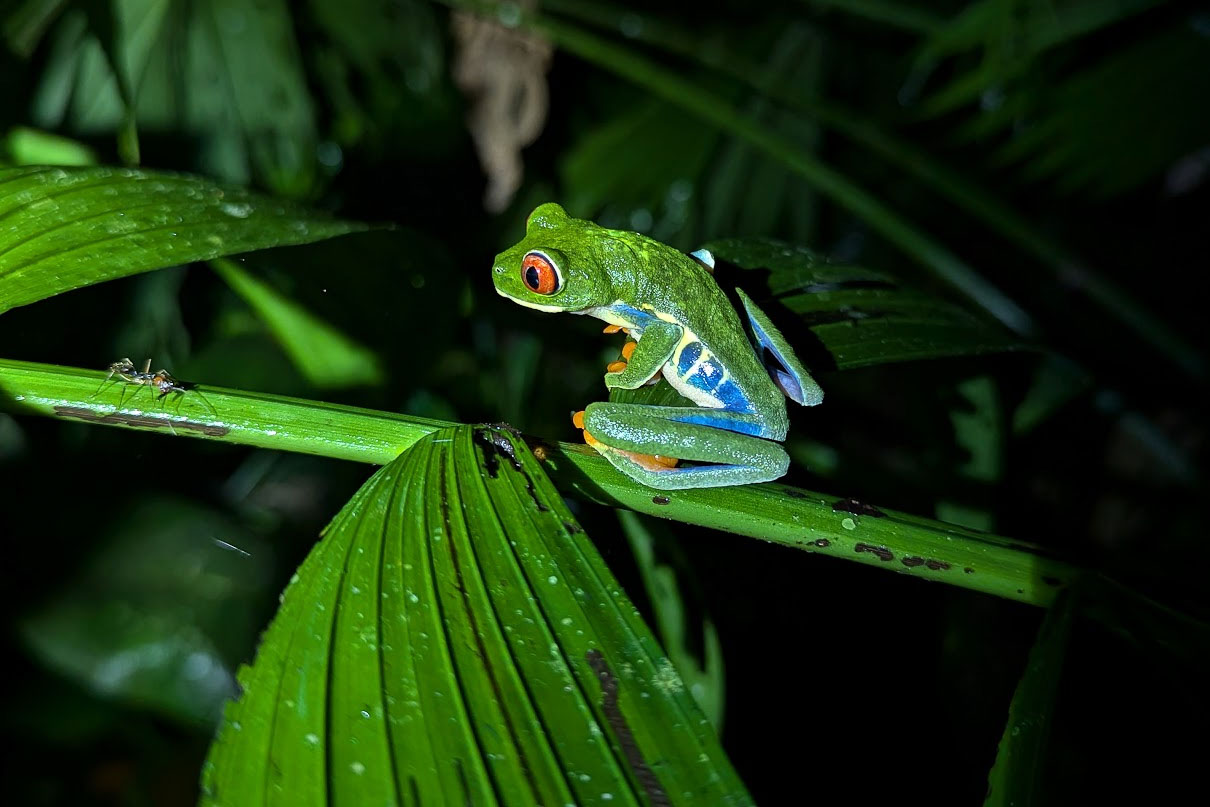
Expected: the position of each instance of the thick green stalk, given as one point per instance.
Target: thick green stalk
(815, 522)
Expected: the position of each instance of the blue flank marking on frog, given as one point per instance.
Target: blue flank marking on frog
(708, 376)
(732, 397)
(717, 419)
(689, 356)
(788, 381)
(637, 318)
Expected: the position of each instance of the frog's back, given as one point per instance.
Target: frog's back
(714, 365)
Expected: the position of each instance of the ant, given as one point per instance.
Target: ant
(161, 380)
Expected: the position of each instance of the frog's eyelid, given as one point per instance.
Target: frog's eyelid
(553, 264)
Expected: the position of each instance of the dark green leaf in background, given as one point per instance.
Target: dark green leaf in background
(856, 317)
(226, 71)
(456, 638)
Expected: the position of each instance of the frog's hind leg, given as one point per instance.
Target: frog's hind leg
(628, 435)
(786, 370)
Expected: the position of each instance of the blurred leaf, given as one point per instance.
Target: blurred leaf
(1010, 35)
(631, 160)
(515, 382)
(456, 637)
(64, 228)
(1057, 380)
(23, 27)
(323, 354)
(103, 25)
(13, 443)
(853, 317)
(905, 15)
(1161, 631)
(749, 192)
(703, 670)
(384, 97)
(1016, 777)
(25, 146)
(152, 319)
(369, 33)
(1108, 126)
(227, 71)
(158, 613)
(1122, 122)
(978, 430)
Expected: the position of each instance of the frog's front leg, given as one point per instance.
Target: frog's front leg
(651, 353)
(628, 434)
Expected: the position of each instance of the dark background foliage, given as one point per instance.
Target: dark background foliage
(140, 569)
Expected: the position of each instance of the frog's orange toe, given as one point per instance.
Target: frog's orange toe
(616, 366)
(628, 350)
(612, 328)
(650, 462)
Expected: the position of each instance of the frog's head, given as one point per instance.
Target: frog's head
(560, 264)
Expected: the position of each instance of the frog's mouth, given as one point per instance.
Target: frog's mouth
(550, 309)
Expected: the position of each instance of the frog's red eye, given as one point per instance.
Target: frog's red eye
(539, 274)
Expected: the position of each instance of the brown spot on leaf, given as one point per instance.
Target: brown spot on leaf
(857, 508)
(660, 500)
(617, 721)
(882, 552)
(937, 565)
(141, 421)
(822, 543)
(911, 561)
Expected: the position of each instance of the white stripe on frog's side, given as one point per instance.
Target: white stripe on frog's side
(699, 397)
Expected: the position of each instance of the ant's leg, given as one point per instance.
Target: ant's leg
(202, 398)
(103, 383)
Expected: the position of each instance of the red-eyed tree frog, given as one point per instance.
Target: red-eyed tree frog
(685, 328)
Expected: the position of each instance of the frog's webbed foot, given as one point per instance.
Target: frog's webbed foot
(619, 365)
(648, 462)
